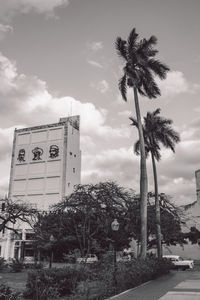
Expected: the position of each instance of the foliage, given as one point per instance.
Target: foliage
(63, 281)
(171, 220)
(93, 281)
(16, 265)
(193, 235)
(7, 294)
(83, 220)
(81, 224)
(2, 263)
(15, 211)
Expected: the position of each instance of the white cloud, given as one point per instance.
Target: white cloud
(126, 113)
(95, 46)
(9, 8)
(102, 86)
(174, 84)
(95, 64)
(4, 29)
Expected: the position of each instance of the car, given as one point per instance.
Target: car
(179, 262)
(90, 258)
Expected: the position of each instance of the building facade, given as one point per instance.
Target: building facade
(197, 176)
(45, 167)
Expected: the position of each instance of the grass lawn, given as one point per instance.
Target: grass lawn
(16, 281)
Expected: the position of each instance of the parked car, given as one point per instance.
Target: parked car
(179, 262)
(90, 258)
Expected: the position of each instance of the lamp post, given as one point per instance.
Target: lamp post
(51, 239)
(115, 228)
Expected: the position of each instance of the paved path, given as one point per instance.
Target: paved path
(178, 285)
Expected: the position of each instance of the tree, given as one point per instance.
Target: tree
(156, 130)
(13, 212)
(90, 210)
(139, 70)
(172, 219)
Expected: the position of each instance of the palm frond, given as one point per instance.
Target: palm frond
(121, 47)
(158, 68)
(151, 88)
(122, 87)
(137, 147)
(132, 42)
(134, 122)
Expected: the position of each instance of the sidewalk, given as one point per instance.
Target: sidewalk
(178, 285)
(186, 290)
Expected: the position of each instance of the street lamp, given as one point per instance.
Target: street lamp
(52, 240)
(115, 228)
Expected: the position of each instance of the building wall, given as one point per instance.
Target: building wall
(197, 176)
(43, 170)
(45, 167)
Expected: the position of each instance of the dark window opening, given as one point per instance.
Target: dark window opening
(3, 206)
(70, 153)
(68, 184)
(74, 155)
(30, 236)
(73, 170)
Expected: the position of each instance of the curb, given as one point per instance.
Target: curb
(122, 293)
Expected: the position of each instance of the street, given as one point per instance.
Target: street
(177, 285)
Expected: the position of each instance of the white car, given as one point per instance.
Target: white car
(91, 258)
(179, 262)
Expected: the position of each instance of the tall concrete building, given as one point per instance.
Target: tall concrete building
(197, 176)
(45, 167)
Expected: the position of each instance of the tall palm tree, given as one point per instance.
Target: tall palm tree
(156, 130)
(138, 74)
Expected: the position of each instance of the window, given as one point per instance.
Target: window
(74, 155)
(70, 153)
(68, 184)
(30, 236)
(73, 170)
(3, 206)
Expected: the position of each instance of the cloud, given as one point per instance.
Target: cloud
(10, 8)
(95, 46)
(176, 84)
(126, 113)
(112, 164)
(102, 86)
(4, 29)
(95, 64)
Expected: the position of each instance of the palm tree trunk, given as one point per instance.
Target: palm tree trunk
(143, 181)
(157, 209)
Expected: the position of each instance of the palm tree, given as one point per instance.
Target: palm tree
(138, 73)
(157, 130)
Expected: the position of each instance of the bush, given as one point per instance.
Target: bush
(2, 263)
(16, 265)
(95, 281)
(63, 281)
(7, 294)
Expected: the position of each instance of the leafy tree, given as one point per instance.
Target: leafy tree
(14, 212)
(90, 211)
(139, 70)
(156, 130)
(172, 219)
(193, 235)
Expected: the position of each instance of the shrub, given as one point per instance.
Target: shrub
(7, 294)
(16, 265)
(2, 263)
(64, 281)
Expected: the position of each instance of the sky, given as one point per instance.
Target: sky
(58, 58)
